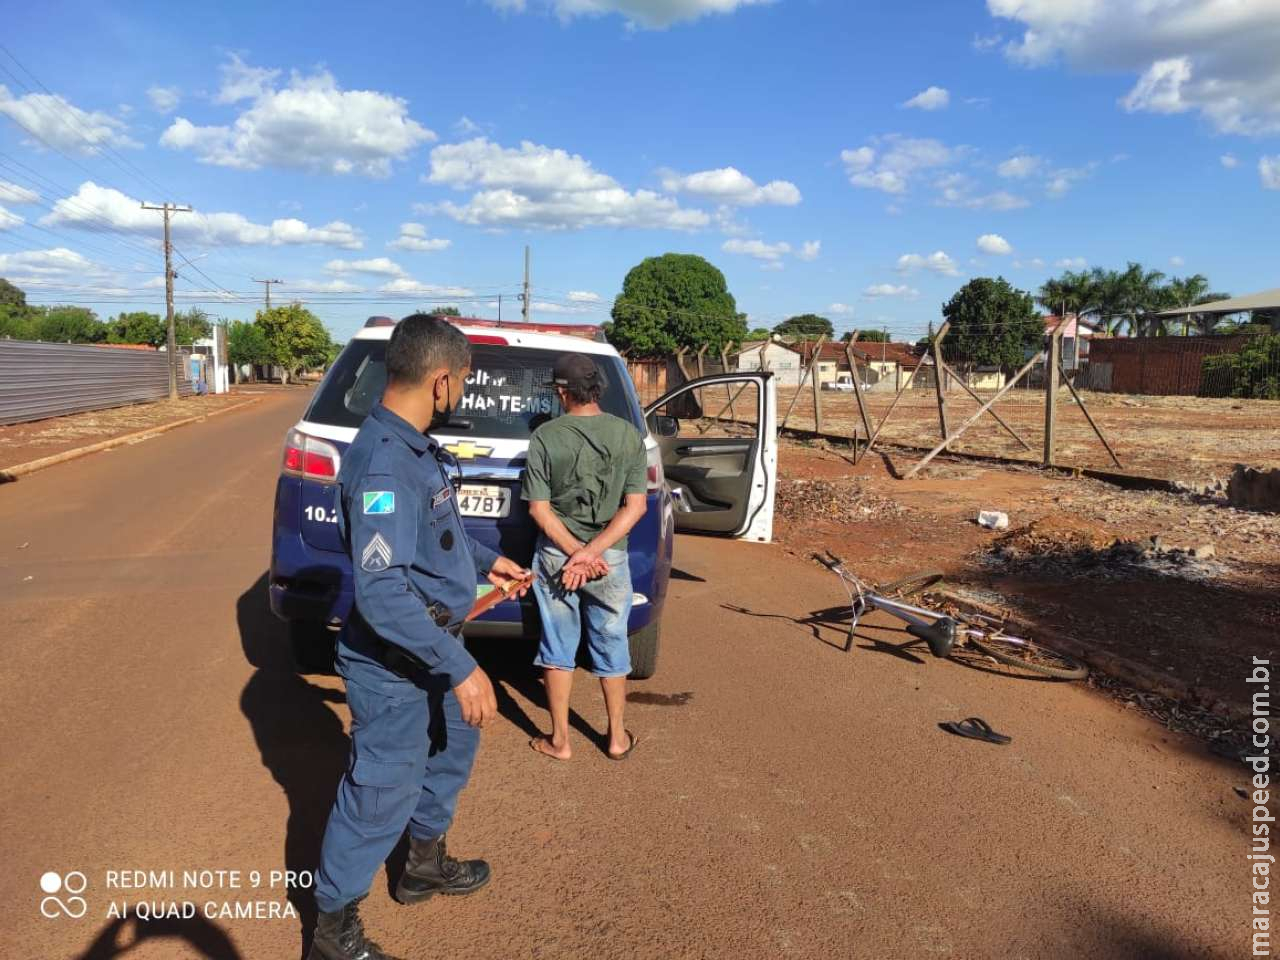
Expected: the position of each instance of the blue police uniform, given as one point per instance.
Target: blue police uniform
(415, 571)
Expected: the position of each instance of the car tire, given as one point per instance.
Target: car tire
(644, 651)
(313, 646)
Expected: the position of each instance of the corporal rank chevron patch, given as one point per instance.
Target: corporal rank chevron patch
(376, 555)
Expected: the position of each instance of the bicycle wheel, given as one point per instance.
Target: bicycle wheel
(1026, 655)
(908, 586)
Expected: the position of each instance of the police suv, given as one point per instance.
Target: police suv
(711, 447)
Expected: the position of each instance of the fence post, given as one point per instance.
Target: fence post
(817, 387)
(701, 369)
(940, 371)
(1052, 361)
(728, 392)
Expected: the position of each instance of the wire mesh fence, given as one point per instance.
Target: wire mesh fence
(1184, 408)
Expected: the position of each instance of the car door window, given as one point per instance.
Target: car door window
(714, 411)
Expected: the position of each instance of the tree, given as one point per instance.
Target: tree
(759, 333)
(17, 320)
(1189, 291)
(138, 327)
(805, 326)
(992, 323)
(868, 336)
(295, 338)
(69, 325)
(190, 325)
(246, 346)
(446, 312)
(11, 296)
(673, 301)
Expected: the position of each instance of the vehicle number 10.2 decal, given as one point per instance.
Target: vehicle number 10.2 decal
(320, 514)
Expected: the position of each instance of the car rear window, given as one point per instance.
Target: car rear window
(504, 398)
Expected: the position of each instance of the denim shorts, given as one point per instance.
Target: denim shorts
(600, 606)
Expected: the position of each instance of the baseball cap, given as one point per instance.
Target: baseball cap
(574, 370)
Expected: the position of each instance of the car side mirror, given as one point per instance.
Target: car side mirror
(665, 427)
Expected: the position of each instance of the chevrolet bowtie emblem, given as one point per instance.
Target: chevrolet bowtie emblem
(468, 450)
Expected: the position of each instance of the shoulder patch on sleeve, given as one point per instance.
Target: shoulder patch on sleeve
(379, 501)
(376, 556)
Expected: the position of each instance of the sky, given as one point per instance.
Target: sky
(854, 159)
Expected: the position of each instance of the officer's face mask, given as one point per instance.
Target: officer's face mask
(448, 394)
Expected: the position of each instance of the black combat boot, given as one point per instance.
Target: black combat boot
(431, 870)
(340, 936)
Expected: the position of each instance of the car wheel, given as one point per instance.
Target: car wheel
(644, 651)
(313, 646)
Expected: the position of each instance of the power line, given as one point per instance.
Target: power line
(168, 209)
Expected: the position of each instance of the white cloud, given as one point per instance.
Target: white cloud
(322, 286)
(757, 248)
(880, 290)
(9, 220)
(649, 14)
(1176, 261)
(309, 124)
(1269, 171)
(409, 285)
(549, 306)
(243, 82)
(842, 309)
(994, 244)
(382, 266)
(1229, 161)
(1020, 166)
(1071, 263)
(413, 236)
(466, 126)
(164, 99)
(12, 193)
(809, 250)
(93, 207)
(584, 296)
(732, 187)
(55, 121)
(56, 260)
(893, 160)
(1062, 180)
(937, 262)
(984, 43)
(538, 186)
(1216, 57)
(933, 98)
(957, 190)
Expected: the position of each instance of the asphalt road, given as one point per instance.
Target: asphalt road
(787, 799)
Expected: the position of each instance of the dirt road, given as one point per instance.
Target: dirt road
(788, 799)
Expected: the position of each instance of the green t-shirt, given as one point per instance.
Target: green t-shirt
(584, 466)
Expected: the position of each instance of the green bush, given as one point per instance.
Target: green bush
(1252, 373)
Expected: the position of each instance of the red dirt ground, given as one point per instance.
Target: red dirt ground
(1199, 623)
(1192, 439)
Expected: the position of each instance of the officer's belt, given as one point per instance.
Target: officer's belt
(397, 659)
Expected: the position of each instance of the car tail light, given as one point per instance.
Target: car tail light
(487, 338)
(310, 457)
(656, 478)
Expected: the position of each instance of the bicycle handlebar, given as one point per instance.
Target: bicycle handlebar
(830, 561)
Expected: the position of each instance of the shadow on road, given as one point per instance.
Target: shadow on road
(200, 935)
(300, 737)
(509, 664)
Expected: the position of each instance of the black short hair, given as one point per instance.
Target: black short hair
(584, 393)
(421, 343)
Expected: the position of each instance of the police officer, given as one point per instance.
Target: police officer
(417, 697)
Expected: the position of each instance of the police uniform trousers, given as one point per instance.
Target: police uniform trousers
(411, 755)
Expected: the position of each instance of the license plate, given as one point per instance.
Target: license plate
(476, 501)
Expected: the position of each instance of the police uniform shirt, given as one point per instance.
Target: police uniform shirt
(414, 566)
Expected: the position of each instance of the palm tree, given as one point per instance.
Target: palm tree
(1140, 295)
(1071, 293)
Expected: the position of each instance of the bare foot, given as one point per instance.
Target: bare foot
(544, 746)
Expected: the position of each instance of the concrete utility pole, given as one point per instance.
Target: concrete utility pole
(169, 208)
(266, 287)
(524, 297)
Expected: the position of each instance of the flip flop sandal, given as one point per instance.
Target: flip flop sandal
(975, 728)
(627, 752)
